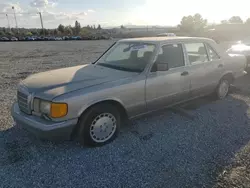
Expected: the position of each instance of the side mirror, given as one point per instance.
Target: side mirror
(159, 66)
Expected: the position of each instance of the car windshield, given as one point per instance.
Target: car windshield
(128, 56)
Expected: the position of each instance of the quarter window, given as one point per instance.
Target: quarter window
(212, 54)
(196, 53)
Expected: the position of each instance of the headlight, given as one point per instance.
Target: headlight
(54, 110)
(45, 107)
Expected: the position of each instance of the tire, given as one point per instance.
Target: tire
(222, 89)
(100, 125)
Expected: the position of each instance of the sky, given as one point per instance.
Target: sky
(111, 13)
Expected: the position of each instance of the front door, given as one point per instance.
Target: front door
(164, 88)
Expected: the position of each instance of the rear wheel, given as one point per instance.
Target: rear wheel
(222, 88)
(99, 125)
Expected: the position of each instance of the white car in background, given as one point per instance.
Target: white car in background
(242, 48)
(14, 39)
(166, 35)
(58, 38)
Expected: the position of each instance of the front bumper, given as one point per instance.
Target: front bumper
(43, 128)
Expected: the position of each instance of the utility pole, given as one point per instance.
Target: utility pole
(41, 19)
(13, 8)
(8, 21)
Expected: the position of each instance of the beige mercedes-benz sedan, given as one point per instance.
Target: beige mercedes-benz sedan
(133, 77)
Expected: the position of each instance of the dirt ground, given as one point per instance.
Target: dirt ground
(207, 145)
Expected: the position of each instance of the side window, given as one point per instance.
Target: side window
(171, 54)
(212, 54)
(196, 53)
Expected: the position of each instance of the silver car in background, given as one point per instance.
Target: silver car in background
(132, 78)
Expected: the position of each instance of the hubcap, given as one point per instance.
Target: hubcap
(103, 127)
(223, 89)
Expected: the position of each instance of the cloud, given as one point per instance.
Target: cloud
(27, 14)
(43, 3)
(39, 3)
(62, 17)
(90, 10)
(7, 7)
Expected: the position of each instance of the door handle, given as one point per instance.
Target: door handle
(185, 73)
(220, 65)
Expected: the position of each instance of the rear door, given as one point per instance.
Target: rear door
(214, 68)
(164, 88)
(197, 59)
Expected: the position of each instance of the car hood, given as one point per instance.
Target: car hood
(51, 84)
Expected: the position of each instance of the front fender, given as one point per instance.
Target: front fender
(91, 103)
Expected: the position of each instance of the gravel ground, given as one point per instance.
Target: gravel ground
(171, 148)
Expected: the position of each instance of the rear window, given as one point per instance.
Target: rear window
(196, 53)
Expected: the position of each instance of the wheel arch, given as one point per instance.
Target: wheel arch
(112, 101)
(229, 76)
(85, 109)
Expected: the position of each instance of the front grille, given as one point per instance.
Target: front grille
(23, 102)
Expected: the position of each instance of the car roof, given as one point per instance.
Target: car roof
(166, 39)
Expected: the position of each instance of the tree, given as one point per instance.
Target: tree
(34, 32)
(193, 23)
(41, 32)
(224, 21)
(235, 19)
(77, 28)
(2, 33)
(199, 22)
(29, 34)
(46, 32)
(187, 23)
(247, 21)
(61, 28)
(10, 33)
(122, 27)
(85, 32)
(68, 30)
(55, 32)
(99, 27)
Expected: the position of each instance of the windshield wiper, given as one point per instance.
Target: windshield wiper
(119, 68)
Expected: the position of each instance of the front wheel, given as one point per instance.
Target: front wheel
(99, 125)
